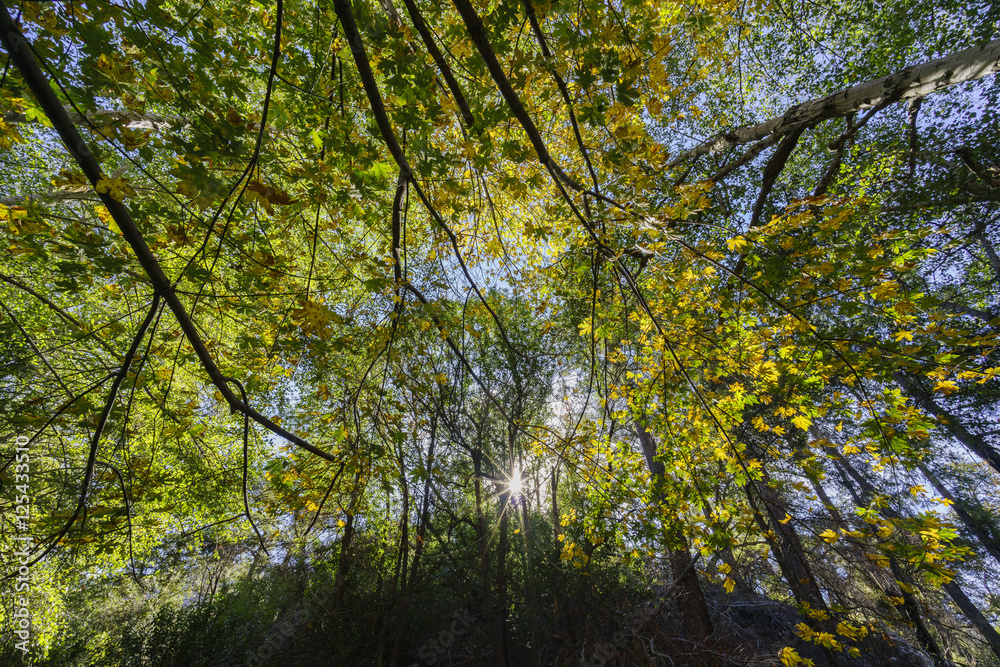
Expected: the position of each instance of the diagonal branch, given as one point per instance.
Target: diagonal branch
(774, 168)
(23, 58)
(102, 421)
(549, 58)
(346, 16)
(439, 60)
(476, 30)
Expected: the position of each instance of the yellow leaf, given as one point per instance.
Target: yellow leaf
(829, 536)
(736, 243)
(791, 658)
(879, 559)
(802, 422)
(729, 584)
(788, 517)
(946, 387)
(105, 216)
(116, 188)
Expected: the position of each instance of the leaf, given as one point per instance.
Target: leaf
(105, 216)
(69, 180)
(791, 658)
(315, 317)
(946, 387)
(267, 195)
(116, 188)
(802, 422)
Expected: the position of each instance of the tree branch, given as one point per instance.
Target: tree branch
(476, 30)
(23, 58)
(439, 60)
(907, 84)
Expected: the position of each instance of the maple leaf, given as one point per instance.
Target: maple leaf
(116, 188)
(105, 216)
(946, 387)
(315, 318)
(791, 658)
(267, 195)
(71, 181)
(802, 422)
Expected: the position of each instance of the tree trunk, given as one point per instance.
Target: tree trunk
(695, 620)
(404, 605)
(343, 567)
(502, 604)
(912, 609)
(482, 537)
(980, 622)
(786, 546)
(879, 578)
(557, 552)
(529, 572)
(991, 253)
(906, 584)
(741, 587)
(974, 442)
(978, 527)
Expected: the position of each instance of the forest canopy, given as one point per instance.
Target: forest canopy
(507, 332)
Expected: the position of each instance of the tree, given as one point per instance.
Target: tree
(302, 279)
